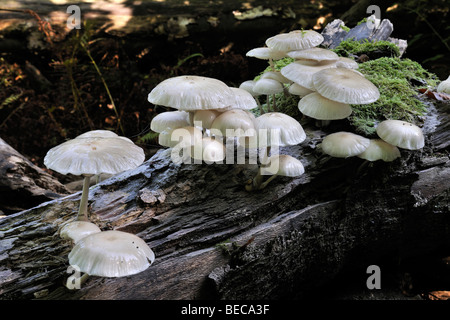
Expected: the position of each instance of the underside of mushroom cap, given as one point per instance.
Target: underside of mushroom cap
(318, 107)
(345, 85)
(191, 93)
(111, 254)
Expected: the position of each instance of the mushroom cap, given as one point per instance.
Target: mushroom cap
(248, 86)
(98, 133)
(299, 90)
(169, 120)
(283, 165)
(77, 230)
(344, 144)
(345, 85)
(243, 99)
(191, 93)
(380, 150)
(290, 130)
(268, 86)
(205, 117)
(265, 53)
(235, 122)
(95, 155)
(318, 107)
(301, 71)
(111, 254)
(317, 54)
(212, 150)
(294, 40)
(402, 134)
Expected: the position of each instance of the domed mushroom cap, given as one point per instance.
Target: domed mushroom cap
(169, 120)
(267, 86)
(248, 86)
(243, 99)
(345, 85)
(294, 40)
(344, 144)
(317, 54)
(265, 53)
(234, 122)
(111, 254)
(98, 133)
(283, 165)
(301, 71)
(184, 137)
(205, 117)
(95, 155)
(77, 230)
(380, 150)
(402, 134)
(288, 129)
(191, 93)
(318, 107)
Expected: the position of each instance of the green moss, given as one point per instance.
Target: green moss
(380, 48)
(397, 80)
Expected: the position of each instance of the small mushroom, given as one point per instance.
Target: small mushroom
(344, 144)
(299, 90)
(265, 53)
(77, 230)
(379, 149)
(211, 149)
(269, 87)
(169, 120)
(278, 165)
(93, 156)
(111, 254)
(248, 86)
(402, 134)
(348, 63)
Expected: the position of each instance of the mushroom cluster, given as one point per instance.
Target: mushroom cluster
(219, 118)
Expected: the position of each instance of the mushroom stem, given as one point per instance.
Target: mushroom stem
(274, 103)
(268, 103)
(322, 123)
(82, 212)
(261, 110)
(265, 183)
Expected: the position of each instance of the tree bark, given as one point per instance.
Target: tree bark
(213, 239)
(22, 184)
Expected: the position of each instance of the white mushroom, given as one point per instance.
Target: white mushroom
(294, 40)
(77, 230)
(444, 86)
(344, 144)
(111, 254)
(93, 156)
(345, 85)
(402, 134)
(169, 120)
(379, 149)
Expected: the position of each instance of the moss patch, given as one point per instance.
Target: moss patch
(377, 49)
(398, 81)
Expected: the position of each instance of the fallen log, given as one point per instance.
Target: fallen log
(213, 239)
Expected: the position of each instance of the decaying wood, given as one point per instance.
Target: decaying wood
(213, 239)
(22, 184)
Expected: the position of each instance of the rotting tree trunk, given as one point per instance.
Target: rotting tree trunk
(212, 239)
(22, 184)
